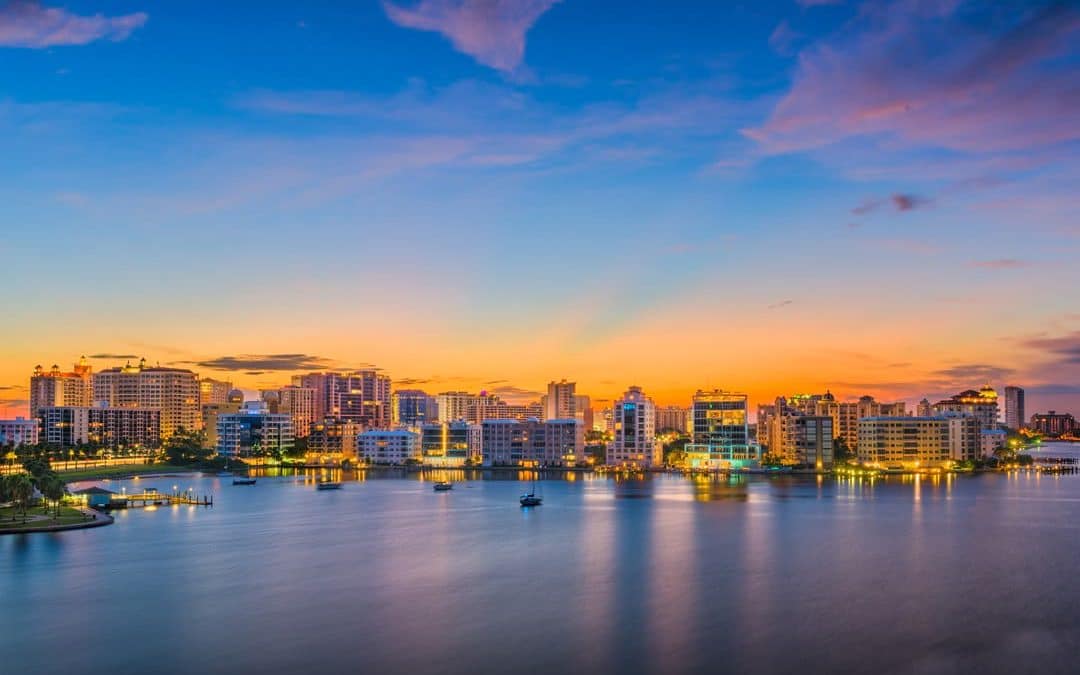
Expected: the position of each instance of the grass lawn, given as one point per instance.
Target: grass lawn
(39, 517)
(126, 470)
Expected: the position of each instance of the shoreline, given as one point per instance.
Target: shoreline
(98, 520)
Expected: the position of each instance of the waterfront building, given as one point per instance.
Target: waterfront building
(981, 404)
(846, 416)
(583, 411)
(19, 431)
(383, 446)
(720, 431)
(254, 431)
(272, 399)
(560, 401)
(450, 444)
(67, 426)
(814, 441)
(299, 404)
(453, 406)
(332, 441)
(214, 392)
(533, 442)
(210, 413)
(673, 417)
(53, 387)
(173, 391)
(918, 442)
(1053, 423)
(991, 440)
(1014, 407)
(634, 444)
(361, 396)
(412, 407)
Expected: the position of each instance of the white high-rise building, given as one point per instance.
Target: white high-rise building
(173, 391)
(253, 431)
(533, 442)
(560, 401)
(381, 446)
(53, 387)
(299, 404)
(214, 392)
(634, 445)
(453, 406)
(19, 431)
(1014, 408)
(918, 442)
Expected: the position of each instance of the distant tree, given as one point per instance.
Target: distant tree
(841, 451)
(594, 437)
(675, 452)
(20, 489)
(186, 447)
(299, 448)
(53, 488)
(37, 467)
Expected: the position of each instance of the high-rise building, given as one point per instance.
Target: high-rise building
(486, 407)
(388, 446)
(51, 388)
(846, 416)
(450, 443)
(272, 399)
(361, 396)
(1053, 423)
(918, 442)
(214, 392)
(453, 406)
(720, 431)
(19, 431)
(924, 409)
(559, 403)
(299, 404)
(67, 426)
(524, 411)
(332, 441)
(672, 417)
(814, 441)
(412, 407)
(1014, 407)
(254, 431)
(210, 413)
(634, 444)
(533, 442)
(981, 404)
(173, 391)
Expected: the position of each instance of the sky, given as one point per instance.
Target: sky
(769, 197)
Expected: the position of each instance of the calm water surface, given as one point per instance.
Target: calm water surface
(970, 574)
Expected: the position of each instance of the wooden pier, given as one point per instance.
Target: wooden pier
(155, 498)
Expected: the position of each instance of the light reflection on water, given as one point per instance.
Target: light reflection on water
(660, 574)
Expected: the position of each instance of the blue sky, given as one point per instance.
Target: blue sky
(559, 186)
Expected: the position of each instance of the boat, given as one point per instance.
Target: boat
(531, 498)
(328, 485)
(443, 486)
(243, 481)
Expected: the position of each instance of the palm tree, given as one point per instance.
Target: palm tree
(21, 489)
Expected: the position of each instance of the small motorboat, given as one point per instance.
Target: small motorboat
(531, 500)
(243, 481)
(443, 486)
(328, 485)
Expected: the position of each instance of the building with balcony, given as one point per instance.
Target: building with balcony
(53, 387)
(634, 445)
(173, 391)
(19, 431)
(383, 446)
(254, 431)
(450, 444)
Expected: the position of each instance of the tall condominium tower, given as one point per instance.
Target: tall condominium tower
(214, 392)
(173, 391)
(634, 444)
(413, 407)
(361, 396)
(560, 401)
(1014, 407)
(53, 387)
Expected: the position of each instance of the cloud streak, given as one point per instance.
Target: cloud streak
(28, 24)
(261, 363)
(972, 78)
(490, 31)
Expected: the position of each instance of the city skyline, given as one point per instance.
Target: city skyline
(681, 197)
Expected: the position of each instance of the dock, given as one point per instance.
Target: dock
(155, 498)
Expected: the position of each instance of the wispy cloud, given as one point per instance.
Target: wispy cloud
(257, 364)
(490, 31)
(1001, 264)
(113, 356)
(28, 24)
(898, 202)
(782, 303)
(972, 77)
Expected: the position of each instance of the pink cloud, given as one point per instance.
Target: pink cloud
(1001, 264)
(953, 75)
(26, 23)
(490, 31)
